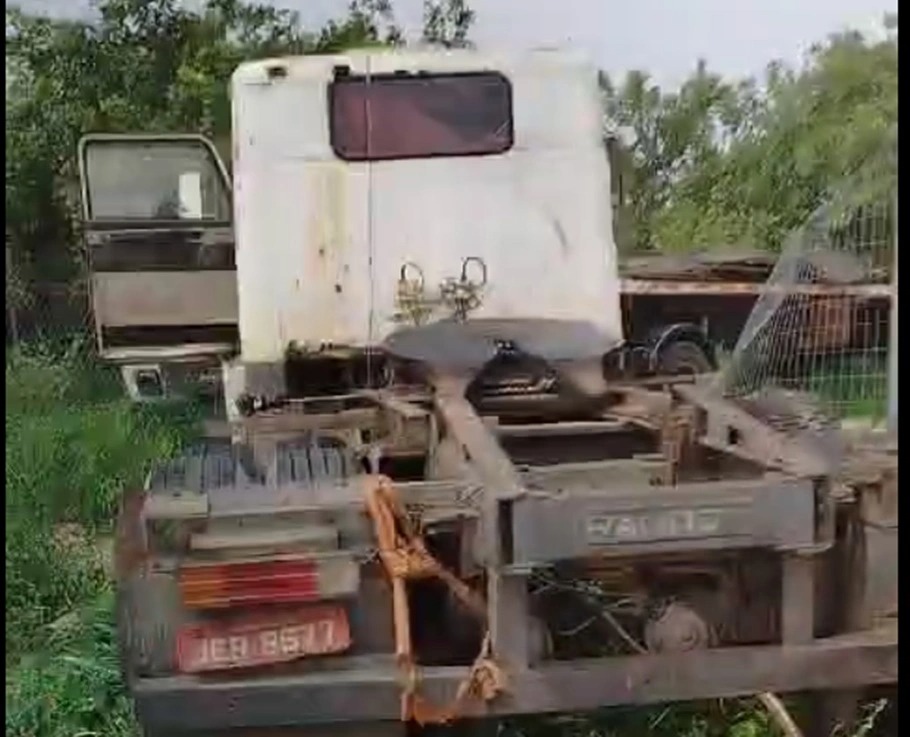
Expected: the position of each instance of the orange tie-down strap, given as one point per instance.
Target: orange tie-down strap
(404, 556)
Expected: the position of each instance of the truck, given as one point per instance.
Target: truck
(453, 487)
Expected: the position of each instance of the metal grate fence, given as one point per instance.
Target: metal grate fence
(818, 336)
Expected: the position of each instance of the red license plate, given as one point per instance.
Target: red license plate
(262, 638)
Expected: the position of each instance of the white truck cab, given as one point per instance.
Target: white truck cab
(354, 173)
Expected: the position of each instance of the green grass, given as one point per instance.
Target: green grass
(855, 390)
(73, 444)
(730, 718)
(853, 387)
(72, 686)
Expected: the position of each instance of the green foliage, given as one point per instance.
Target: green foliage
(447, 22)
(720, 163)
(73, 443)
(73, 687)
(368, 23)
(727, 718)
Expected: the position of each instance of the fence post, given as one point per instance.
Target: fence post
(892, 339)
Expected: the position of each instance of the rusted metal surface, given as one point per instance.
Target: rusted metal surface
(798, 598)
(623, 508)
(294, 423)
(170, 353)
(435, 497)
(873, 475)
(729, 265)
(552, 429)
(165, 298)
(774, 512)
(175, 506)
(363, 692)
(827, 323)
(312, 537)
(406, 426)
(398, 405)
(606, 508)
(488, 460)
(125, 248)
(726, 289)
(155, 273)
(618, 474)
(506, 600)
(613, 520)
(733, 430)
(642, 407)
(748, 269)
(881, 572)
(614, 476)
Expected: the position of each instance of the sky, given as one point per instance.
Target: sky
(665, 37)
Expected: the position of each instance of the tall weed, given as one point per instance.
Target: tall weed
(73, 444)
(73, 686)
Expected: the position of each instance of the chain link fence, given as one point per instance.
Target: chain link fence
(815, 348)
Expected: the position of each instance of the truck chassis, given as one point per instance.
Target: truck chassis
(665, 472)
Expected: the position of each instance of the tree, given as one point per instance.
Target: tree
(836, 118)
(675, 135)
(447, 22)
(369, 23)
(722, 163)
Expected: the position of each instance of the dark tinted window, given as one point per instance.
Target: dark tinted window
(414, 116)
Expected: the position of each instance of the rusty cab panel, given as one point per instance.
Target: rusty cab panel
(160, 240)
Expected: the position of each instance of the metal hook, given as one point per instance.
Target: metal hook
(403, 274)
(483, 269)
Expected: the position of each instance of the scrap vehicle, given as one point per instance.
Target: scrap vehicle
(452, 489)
